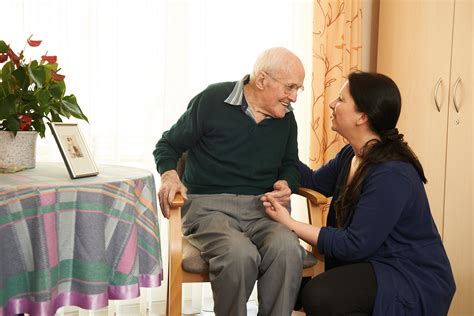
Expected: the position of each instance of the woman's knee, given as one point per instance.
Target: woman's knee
(316, 297)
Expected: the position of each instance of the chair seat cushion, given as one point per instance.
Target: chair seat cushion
(193, 262)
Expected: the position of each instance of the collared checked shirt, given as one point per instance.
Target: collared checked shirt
(237, 98)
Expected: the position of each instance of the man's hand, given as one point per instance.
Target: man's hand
(170, 185)
(281, 192)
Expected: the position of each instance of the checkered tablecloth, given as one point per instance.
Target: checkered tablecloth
(76, 242)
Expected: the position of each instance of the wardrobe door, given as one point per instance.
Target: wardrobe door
(458, 207)
(414, 49)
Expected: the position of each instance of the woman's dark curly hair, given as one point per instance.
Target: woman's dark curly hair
(378, 97)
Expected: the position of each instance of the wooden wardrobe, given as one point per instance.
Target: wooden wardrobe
(426, 47)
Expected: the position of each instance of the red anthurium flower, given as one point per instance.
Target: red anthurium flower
(57, 77)
(25, 122)
(33, 43)
(3, 58)
(49, 59)
(13, 57)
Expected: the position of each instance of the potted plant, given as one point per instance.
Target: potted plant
(31, 93)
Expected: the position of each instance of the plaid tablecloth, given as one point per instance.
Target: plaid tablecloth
(76, 242)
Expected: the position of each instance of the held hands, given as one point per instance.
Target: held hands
(281, 192)
(275, 210)
(170, 185)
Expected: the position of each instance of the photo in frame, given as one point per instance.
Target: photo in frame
(74, 151)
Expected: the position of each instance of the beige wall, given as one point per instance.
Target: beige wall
(370, 22)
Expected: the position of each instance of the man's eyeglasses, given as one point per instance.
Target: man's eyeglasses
(289, 87)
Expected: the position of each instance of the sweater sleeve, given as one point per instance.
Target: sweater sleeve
(180, 137)
(288, 170)
(385, 194)
(324, 179)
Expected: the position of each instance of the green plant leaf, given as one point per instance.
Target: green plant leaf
(38, 124)
(13, 123)
(43, 96)
(7, 106)
(56, 90)
(70, 104)
(37, 73)
(57, 107)
(21, 78)
(55, 116)
(7, 81)
(3, 92)
(3, 47)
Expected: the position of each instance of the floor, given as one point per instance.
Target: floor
(156, 309)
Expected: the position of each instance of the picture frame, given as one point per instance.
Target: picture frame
(74, 150)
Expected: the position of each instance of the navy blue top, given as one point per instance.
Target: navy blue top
(392, 228)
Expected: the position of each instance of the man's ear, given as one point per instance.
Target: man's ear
(259, 80)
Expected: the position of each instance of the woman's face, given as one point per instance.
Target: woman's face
(344, 114)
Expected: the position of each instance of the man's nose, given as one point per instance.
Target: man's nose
(293, 96)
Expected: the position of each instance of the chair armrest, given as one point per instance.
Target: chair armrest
(178, 201)
(315, 202)
(175, 246)
(312, 195)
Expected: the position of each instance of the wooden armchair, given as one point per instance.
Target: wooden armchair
(185, 264)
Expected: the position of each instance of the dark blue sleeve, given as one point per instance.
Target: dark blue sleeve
(325, 178)
(385, 194)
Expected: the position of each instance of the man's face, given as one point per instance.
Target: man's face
(281, 89)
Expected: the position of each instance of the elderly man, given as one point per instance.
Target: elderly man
(241, 143)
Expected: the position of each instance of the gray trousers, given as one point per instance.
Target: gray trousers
(242, 245)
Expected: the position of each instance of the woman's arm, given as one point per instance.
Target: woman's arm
(324, 179)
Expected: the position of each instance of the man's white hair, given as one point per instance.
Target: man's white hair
(272, 60)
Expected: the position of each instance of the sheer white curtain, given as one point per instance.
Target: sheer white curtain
(134, 65)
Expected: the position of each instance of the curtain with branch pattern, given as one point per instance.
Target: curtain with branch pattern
(337, 51)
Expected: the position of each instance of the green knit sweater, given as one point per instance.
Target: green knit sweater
(228, 152)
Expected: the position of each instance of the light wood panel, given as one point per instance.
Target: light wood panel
(416, 69)
(420, 43)
(458, 236)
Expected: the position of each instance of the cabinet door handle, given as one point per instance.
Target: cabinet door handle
(456, 84)
(440, 81)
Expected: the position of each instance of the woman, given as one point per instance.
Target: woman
(383, 253)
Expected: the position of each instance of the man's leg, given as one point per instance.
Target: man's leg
(233, 258)
(281, 268)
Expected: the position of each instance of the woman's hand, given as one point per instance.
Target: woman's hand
(278, 213)
(275, 210)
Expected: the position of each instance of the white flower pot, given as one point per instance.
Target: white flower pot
(19, 149)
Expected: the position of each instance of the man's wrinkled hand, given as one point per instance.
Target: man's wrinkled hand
(281, 192)
(170, 185)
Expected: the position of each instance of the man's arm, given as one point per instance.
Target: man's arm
(181, 136)
(288, 170)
